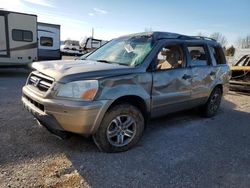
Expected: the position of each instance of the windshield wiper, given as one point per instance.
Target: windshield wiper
(103, 61)
(125, 64)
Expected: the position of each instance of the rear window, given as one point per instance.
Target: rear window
(198, 55)
(217, 55)
(46, 41)
(22, 35)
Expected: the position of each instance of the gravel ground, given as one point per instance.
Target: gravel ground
(179, 150)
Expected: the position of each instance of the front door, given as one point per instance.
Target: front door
(172, 81)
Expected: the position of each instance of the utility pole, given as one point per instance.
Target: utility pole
(92, 32)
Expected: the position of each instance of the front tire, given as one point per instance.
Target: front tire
(213, 103)
(121, 129)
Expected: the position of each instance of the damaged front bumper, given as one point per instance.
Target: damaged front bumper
(60, 116)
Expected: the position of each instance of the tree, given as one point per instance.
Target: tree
(243, 42)
(230, 51)
(201, 34)
(148, 29)
(220, 38)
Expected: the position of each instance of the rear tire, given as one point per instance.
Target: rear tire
(213, 103)
(121, 129)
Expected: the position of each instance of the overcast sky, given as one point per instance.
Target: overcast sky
(112, 18)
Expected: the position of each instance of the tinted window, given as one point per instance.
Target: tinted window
(217, 55)
(22, 35)
(171, 56)
(198, 55)
(46, 41)
(27, 36)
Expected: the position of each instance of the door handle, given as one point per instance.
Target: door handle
(186, 76)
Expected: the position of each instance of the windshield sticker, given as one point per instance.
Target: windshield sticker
(128, 48)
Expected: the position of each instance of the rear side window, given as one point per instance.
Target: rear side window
(217, 55)
(198, 55)
(46, 41)
(22, 35)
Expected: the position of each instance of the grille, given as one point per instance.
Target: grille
(40, 81)
(36, 104)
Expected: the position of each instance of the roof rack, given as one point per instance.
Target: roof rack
(209, 38)
(195, 37)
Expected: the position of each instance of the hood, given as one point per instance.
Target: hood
(71, 70)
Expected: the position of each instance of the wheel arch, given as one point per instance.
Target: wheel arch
(134, 100)
(218, 86)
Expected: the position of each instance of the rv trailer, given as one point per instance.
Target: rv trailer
(48, 41)
(18, 38)
(89, 44)
(71, 47)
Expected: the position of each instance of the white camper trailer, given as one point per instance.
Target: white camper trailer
(18, 38)
(48, 41)
(71, 47)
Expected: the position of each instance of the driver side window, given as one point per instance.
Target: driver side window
(170, 57)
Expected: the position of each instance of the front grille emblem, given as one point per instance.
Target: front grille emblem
(36, 82)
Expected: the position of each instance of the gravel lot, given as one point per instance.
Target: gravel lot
(179, 150)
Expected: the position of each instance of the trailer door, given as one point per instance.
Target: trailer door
(4, 38)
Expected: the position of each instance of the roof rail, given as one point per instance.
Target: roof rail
(184, 37)
(195, 37)
(202, 37)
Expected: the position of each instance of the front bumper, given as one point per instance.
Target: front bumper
(79, 117)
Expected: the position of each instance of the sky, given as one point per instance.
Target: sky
(113, 18)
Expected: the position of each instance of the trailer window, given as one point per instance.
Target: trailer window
(22, 35)
(46, 41)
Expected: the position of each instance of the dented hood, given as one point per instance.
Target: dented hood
(71, 70)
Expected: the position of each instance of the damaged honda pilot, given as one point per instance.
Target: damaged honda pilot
(115, 90)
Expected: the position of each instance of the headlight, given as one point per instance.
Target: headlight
(86, 89)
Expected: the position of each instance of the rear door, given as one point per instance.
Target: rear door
(4, 37)
(202, 71)
(172, 80)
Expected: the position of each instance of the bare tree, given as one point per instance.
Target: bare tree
(220, 38)
(148, 29)
(201, 34)
(243, 42)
